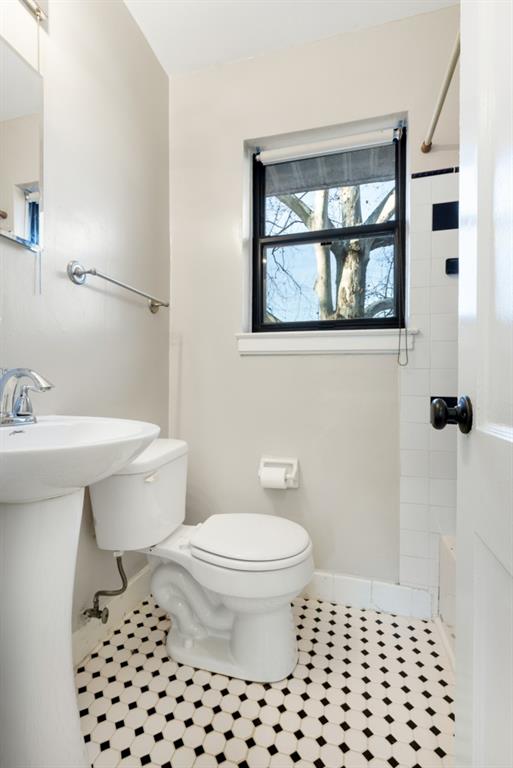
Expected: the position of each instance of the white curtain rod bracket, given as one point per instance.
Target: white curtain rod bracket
(77, 273)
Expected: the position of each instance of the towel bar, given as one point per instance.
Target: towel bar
(77, 273)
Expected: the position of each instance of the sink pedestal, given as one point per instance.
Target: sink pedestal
(39, 721)
(44, 468)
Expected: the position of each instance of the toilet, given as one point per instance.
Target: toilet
(227, 583)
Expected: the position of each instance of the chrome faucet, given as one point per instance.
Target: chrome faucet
(15, 404)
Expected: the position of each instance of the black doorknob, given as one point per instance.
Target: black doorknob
(461, 414)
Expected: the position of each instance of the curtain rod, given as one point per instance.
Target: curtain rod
(427, 143)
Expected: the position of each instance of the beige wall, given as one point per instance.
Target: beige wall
(106, 203)
(338, 414)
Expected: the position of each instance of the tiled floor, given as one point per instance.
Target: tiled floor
(370, 689)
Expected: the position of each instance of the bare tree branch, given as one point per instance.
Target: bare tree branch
(298, 207)
(382, 305)
(383, 211)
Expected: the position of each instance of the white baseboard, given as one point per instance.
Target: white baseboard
(93, 632)
(446, 640)
(333, 587)
(368, 593)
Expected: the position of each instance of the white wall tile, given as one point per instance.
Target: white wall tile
(421, 604)
(420, 273)
(320, 586)
(443, 439)
(421, 323)
(414, 408)
(419, 301)
(444, 327)
(348, 590)
(444, 354)
(444, 382)
(442, 464)
(391, 598)
(420, 245)
(414, 490)
(437, 273)
(439, 278)
(421, 218)
(445, 188)
(420, 192)
(420, 355)
(366, 593)
(442, 492)
(434, 576)
(414, 381)
(415, 571)
(433, 308)
(434, 545)
(415, 517)
(443, 520)
(443, 298)
(444, 243)
(414, 463)
(415, 543)
(414, 436)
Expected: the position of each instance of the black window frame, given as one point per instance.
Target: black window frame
(397, 227)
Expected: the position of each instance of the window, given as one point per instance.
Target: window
(328, 244)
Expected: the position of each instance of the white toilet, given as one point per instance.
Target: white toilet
(226, 583)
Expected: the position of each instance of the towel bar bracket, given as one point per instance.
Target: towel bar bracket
(77, 273)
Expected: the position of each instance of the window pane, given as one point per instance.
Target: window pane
(335, 280)
(330, 208)
(340, 190)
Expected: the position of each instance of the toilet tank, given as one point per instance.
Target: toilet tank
(143, 503)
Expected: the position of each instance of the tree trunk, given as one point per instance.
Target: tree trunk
(319, 220)
(351, 284)
(351, 289)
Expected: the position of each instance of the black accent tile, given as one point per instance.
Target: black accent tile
(438, 172)
(445, 216)
(452, 266)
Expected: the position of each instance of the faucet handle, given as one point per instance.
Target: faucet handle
(23, 404)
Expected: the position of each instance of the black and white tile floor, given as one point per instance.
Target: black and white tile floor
(370, 689)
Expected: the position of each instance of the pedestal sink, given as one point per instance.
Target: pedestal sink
(44, 468)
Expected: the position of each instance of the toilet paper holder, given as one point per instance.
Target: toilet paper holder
(270, 465)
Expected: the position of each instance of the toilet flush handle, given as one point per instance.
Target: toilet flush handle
(151, 478)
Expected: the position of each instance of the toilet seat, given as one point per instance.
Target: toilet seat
(235, 578)
(250, 542)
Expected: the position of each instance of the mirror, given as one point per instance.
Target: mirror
(21, 116)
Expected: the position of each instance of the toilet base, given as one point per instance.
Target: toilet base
(213, 655)
(268, 657)
(253, 639)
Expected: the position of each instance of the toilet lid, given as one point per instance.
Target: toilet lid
(251, 539)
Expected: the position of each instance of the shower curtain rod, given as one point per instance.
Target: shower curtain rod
(427, 143)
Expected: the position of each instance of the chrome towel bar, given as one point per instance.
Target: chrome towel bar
(77, 273)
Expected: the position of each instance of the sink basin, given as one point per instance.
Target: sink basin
(44, 468)
(61, 454)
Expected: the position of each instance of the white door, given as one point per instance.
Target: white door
(484, 652)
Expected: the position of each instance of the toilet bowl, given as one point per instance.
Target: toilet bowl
(227, 583)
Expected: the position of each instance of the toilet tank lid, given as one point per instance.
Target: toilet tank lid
(157, 454)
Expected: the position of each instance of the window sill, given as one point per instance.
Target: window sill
(379, 341)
